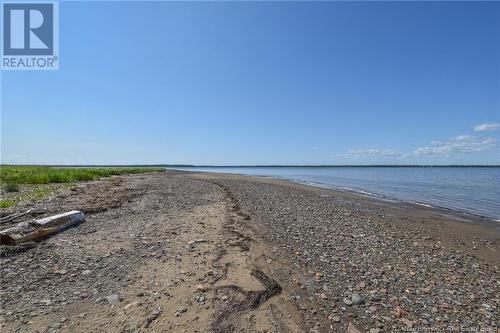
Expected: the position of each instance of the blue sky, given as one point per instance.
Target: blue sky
(262, 83)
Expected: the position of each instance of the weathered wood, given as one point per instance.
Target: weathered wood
(12, 217)
(21, 237)
(61, 220)
(24, 231)
(15, 216)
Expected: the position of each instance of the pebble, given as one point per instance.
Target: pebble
(113, 299)
(347, 301)
(202, 288)
(407, 322)
(352, 329)
(152, 316)
(356, 299)
(180, 310)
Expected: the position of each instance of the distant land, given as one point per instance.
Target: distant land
(270, 165)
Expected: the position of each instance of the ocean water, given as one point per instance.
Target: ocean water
(474, 190)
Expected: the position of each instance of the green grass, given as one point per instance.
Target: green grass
(45, 175)
(7, 203)
(12, 176)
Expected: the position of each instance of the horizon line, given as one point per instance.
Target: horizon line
(252, 165)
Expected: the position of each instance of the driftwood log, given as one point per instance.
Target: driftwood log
(12, 217)
(29, 231)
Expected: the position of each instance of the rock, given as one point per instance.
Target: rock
(347, 301)
(224, 298)
(407, 322)
(201, 299)
(323, 296)
(357, 299)
(113, 299)
(86, 272)
(180, 310)
(335, 318)
(375, 330)
(128, 306)
(354, 299)
(374, 297)
(399, 311)
(152, 316)
(352, 329)
(202, 288)
(194, 241)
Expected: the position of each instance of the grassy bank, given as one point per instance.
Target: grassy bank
(11, 177)
(45, 175)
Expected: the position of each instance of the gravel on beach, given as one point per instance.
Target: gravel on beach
(381, 276)
(187, 252)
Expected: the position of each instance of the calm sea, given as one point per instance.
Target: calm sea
(473, 190)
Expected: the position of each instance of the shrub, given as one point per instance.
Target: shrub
(11, 187)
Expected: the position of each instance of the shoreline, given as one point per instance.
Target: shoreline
(183, 251)
(454, 229)
(460, 213)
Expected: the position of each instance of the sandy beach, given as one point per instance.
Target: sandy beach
(199, 252)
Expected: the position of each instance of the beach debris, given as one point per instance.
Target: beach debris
(15, 216)
(29, 231)
(194, 241)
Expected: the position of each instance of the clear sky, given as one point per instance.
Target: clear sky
(262, 83)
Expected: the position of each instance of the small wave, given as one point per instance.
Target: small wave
(409, 185)
(345, 189)
(421, 204)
